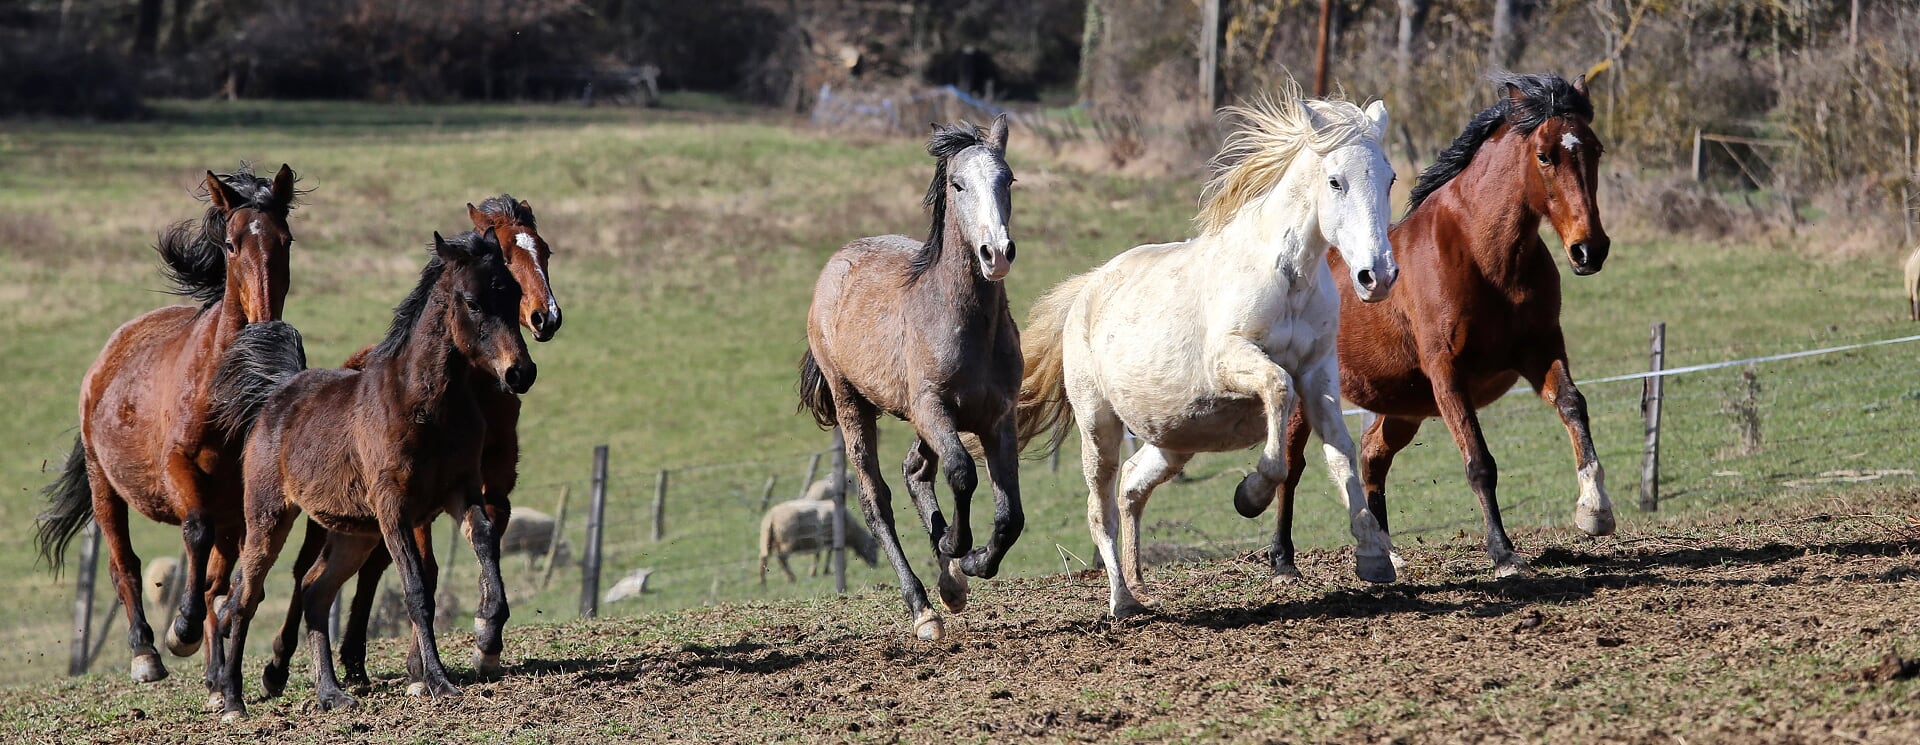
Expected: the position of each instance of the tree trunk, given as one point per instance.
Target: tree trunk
(177, 28)
(1413, 16)
(1501, 51)
(146, 29)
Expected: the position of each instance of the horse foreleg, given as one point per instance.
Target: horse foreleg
(342, 557)
(1593, 513)
(220, 564)
(274, 677)
(269, 519)
(110, 514)
(1280, 554)
(353, 638)
(430, 578)
(934, 424)
(188, 487)
(1385, 438)
(490, 615)
(1148, 468)
(1320, 397)
(1483, 476)
(1243, 367)
(919, 468)
(1009, 518)
(857, 425)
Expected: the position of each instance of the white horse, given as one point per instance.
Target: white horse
(1198, 346)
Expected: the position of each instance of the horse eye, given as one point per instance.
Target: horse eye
(1335, 183)
(1545, 160)
(472, 306)
(958, 187)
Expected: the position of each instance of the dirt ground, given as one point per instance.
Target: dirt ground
(1747, 626)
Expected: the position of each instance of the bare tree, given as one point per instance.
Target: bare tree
(1413, 16)
(146, 29)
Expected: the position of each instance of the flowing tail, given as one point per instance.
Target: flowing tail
(69, 507)
(264, 356)
(814, 396)
(1043, 407)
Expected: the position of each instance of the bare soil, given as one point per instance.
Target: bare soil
(1750, 626)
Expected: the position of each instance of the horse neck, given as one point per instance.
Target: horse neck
(1490, 202)
(1274, 233)
(428, 370)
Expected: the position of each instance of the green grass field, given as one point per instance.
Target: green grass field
(685, 246)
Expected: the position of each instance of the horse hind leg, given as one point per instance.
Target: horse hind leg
(1100, 434)
(353, 638)
(342, 557)
(274, 677)
(1148, 468)
(110, 515)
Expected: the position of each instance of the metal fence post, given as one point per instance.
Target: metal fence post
(553, 543)
(83, 599)
(813, 467)
(660, 506)
(590, 564)
(839, 511)
(1650, 396)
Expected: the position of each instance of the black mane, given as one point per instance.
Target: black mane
(407, 313)
(192, 252)
(505, 204)
(947, 141)
(1546, 96)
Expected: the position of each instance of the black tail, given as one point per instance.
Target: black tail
(262, 358)
(69, 507)
(814, 396)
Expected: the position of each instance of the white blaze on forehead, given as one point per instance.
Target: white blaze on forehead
(525, 241)
(254, 228)
(1569, 141)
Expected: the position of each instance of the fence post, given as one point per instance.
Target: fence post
(1053, 460)
(813, 467)
(839, 512)
(766, 492)
(660, 506)
(559, 526)
(590, 563)
(83, 600)
(1696, 155)
(1650, 404)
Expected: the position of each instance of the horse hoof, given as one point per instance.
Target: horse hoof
(1253, 495)
(1130, 609)
(1514, 568)
(147, 669)
(1593, 522)
(487, 665)
(178, 646)
(952, 586)
(274, 679)
(215, 702)
(1376, 569)
(416, 689)
(1399, 564)
(336, 701)
(233, 715)
(1286, 574)
(928, 626)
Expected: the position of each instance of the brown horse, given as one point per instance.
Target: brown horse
(1479, 303)
(373, 454)
(511, 223)
(145, 439)
(922, 331)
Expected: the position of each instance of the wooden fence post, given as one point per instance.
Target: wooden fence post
(766, 492)
(559, 526)
(1650, 396)
(596, 511)
(83, 600)
(839, 512)
(1053, 460)
(1696, 155)
(660, 506)
(813, 467)
(1209, 54)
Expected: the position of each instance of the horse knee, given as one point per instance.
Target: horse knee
(961, 476)
(1482, 475)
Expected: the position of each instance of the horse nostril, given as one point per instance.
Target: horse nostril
(1009, 252)
(1578, 252)
(1365, 278)
(539, 320)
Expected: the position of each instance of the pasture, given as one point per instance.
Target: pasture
(685, 245)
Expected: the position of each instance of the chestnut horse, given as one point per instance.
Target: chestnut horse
(145, 438)
(922, 331)
(1481, 305)
(511, 223)
(373, 454)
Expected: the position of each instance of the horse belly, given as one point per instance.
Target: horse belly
(1209, 425)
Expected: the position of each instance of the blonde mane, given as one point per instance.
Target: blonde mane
(1257, 155)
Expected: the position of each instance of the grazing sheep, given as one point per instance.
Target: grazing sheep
(630, 586)
(1913, 284)
(158, 581)
(819, 491)
(530, 532)
(807, 525)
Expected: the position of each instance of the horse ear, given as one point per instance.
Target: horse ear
(1516, 98)
(446, 251)
(997, 135)
(1580, 84)
(1377, 113)
(527, 208)
(480, 219)
(1314, 119)
(283, 189)
(222, 195)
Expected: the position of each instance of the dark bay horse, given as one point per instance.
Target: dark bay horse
(922, 331)
(375, 453)
(510, 223)
(145, 437)
(1479, 305)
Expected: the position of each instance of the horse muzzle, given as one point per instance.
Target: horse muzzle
(1372, 285)
(1589, 255)
(519, 377)
(545, 323)
(995, 261)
